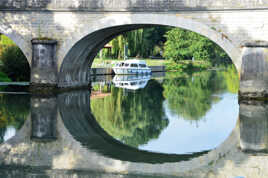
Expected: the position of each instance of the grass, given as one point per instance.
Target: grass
(170, 65)
(187, 65)
(107, 62)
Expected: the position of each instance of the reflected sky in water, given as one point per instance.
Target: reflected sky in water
(204, 135)
(176, 113)
(62, 136)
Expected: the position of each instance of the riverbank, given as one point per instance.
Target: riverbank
(187, 65)
(104, 67)
(170, 65)
(99, 63)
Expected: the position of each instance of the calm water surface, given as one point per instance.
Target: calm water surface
(177, 113)
(128, 126)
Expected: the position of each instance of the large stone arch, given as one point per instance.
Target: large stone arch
(18, 40)
(79, 51)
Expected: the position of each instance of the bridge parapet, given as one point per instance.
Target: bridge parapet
(131, 5)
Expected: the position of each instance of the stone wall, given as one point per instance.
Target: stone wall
(132, 5)
(78, 43)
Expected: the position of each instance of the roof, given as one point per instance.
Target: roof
(135, 61)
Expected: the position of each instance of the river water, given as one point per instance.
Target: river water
(165, 125)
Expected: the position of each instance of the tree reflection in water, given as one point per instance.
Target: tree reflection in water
(191, 96)
(138, 116)
(14, 110)
(132, 117)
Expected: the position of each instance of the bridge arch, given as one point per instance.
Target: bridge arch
(19, 41)
(80, 50)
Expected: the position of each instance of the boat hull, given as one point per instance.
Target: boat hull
(128, 71)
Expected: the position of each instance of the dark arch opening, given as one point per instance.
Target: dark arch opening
(74, 69)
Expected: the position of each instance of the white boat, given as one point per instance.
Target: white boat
(132, 66)
(131, 82)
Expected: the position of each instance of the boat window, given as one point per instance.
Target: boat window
(133, 65)
(122, 64)
(142, 82)
(126, 65)
(142, 65)
(133, 83)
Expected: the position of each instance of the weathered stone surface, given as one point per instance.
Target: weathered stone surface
(44, 118)
(131, 5)
(254, 73)
(81, 33)
(255, 44)
(44, 62)
(75, 151)
(253, 118)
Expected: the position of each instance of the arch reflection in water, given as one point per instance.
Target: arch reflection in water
(82, 125)
(82, 145)
(254, 126)
(94, 149)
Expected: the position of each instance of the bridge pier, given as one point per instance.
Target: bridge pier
(44, 73)
(44, 113)
(254, 71)
(253, 126)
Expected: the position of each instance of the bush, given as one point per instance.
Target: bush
(15, 64)
(4, 77)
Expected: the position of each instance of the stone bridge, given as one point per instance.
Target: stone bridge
(80, 28)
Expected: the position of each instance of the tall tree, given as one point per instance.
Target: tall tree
(143, 42)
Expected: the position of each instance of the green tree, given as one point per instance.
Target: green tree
(143, 42)
(184, 45)
(15, 64)
(4, 78)
(4, 40)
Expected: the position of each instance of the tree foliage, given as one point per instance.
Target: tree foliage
(184, 45)
(143, 42)
(15, 64)
(4, 78)
(4, 40)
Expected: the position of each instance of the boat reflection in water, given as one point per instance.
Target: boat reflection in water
(131, 82)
